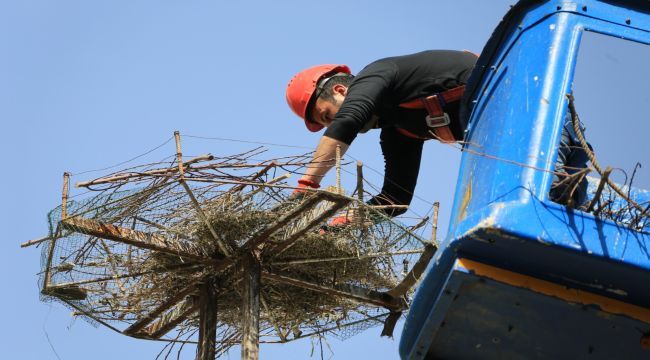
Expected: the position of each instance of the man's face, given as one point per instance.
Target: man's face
(325, 110)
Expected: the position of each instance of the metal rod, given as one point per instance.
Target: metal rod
(179, 154)
(64, 195)
(47, 277)
(225, 248)
(434, 223)
(361, 214)
(339, 189)
(35, 241)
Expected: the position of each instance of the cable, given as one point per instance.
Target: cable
(248, 142)
(125, 162)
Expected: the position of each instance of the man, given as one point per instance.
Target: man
(392, 94)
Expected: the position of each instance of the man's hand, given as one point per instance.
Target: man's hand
(336, 224)
(341, 222)
(303, 189)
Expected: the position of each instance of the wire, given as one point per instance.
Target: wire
(302, 147)
(455, 145)
(125, 162)
(247, 142)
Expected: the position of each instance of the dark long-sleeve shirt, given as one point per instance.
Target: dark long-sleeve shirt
(373, 100)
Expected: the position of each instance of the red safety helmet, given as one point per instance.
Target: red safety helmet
(304, 84)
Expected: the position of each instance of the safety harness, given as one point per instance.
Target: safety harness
(437, 120)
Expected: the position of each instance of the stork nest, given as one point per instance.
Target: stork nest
(119, 283)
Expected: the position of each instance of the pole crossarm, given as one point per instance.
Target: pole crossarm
(265, 233)
(339, 203)
(173, 301)
(168, 321)
(132, 237)
(135, 328)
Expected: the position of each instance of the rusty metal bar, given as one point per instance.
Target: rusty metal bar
(339, 189)
(225, 248)
(47, 277)
(64, 195)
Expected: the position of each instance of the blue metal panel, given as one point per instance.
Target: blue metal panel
(501, 213)
(480, 318)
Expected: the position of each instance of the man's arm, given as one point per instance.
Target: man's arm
(324, 159)
(363, 95)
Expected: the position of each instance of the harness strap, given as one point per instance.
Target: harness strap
(437, 119)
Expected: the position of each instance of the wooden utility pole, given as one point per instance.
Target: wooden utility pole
(207, 321)
(250, 313)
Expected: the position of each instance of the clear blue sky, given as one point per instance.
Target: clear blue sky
(87, 84)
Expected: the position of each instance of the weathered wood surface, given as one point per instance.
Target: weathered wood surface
(207, 321)
(131, 237)
(250, 311)
(135, 328)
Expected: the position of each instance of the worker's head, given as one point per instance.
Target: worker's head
(316, 94)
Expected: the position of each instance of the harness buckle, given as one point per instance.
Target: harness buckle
(437, 121)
